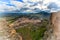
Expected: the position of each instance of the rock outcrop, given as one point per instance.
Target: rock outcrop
(55, 27)
(7, 32)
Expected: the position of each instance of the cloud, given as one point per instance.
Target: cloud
(4, 7)
(34, 5)
(54, 5)
(17, 4)
(30, 6)
(32, 0)
(45, 5)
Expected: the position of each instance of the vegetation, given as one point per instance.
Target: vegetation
(31, 31)
(34, 32)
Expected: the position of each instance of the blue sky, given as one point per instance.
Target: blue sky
(29, 6)
(9, 0)
(4, 0)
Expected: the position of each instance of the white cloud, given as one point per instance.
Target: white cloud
(17, 4)
(32, 0)
(43, 4)
(4, 7)
(30, 5)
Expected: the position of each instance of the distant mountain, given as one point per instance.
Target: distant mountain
(41, 14)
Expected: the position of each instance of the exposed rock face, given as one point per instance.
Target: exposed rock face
(7, 32)
(55, 22)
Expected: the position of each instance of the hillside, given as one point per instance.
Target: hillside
(30, 26)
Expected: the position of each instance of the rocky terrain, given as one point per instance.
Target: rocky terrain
(30, 29)
(7, 32)
(23, 27)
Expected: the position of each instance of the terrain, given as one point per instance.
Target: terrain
(28, 26)
(7, 32)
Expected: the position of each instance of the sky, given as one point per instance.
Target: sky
(29, 6)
